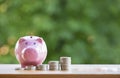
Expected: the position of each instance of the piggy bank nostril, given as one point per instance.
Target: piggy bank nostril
(30, 50)
(26, 43)
(34, 43)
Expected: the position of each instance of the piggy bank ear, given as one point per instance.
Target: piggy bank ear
(39, 40)
(21, 40)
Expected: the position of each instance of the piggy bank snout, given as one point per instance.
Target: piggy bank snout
(30, 50)
(29, 54)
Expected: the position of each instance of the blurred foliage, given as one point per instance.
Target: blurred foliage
(86, 30)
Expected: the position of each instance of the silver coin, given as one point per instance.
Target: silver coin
(53, 62)
(65, 67)
(29, 67)
(18, 68)
(42, 67)
(53, 65)
(65, 60)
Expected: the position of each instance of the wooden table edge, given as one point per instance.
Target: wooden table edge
(59, 75)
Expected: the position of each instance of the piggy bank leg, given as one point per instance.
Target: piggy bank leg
(23, 66)
(33, 64)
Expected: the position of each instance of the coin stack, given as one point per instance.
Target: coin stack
(53, 65)
(42, 67)
(31, 67)
(19, 68)
(65, 63)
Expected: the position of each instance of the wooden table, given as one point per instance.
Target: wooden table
(77, 71)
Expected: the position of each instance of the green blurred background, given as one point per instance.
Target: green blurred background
(86, 30)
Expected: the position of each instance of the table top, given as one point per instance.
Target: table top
(89, 70)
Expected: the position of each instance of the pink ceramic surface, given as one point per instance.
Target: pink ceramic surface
(30, 50)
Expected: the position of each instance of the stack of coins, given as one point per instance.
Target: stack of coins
(65, 63)
(53, 65)
(31, 67)
(18, 68)
(42, 67)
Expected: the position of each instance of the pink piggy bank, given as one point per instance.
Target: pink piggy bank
(30, 50)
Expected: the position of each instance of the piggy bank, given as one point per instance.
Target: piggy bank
(30, 50)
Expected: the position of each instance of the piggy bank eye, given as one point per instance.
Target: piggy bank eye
(26, 43)
(34, 43)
